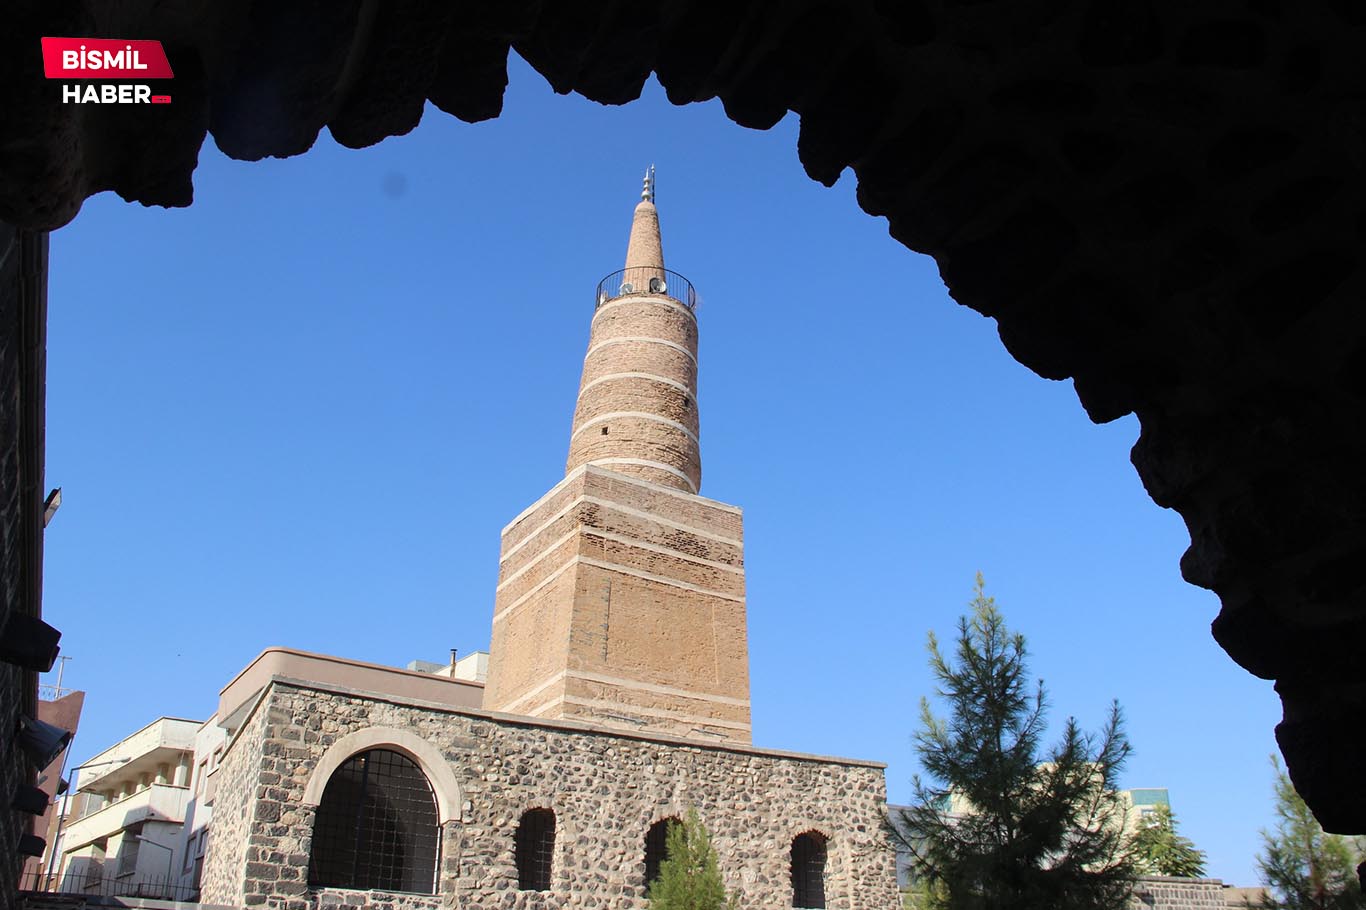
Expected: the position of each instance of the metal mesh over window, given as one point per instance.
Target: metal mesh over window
(376, 827)
(657, 848)
(535, 843)
(808, 871)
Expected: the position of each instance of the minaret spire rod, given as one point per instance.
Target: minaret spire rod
(647, 194)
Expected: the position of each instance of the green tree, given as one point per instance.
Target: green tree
(1003, 825)
(1158, 850)
(689, 877)
(921, 894)
(1306, 868)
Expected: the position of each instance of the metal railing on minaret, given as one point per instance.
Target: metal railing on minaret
(645, 280)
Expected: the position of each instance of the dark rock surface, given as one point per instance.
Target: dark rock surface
(1164, 202)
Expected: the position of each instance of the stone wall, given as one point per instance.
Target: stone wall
(10, 677)
(23, 277)
(606, 790)
(239, 781)
(1160, 892)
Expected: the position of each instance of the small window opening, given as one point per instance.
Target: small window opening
(535, 847)
(657, 848)
(604, 431)
(808, 871)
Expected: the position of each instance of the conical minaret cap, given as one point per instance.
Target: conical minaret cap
(637, 408)
(645, 251)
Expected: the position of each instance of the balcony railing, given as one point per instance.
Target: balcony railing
(646, 280)
(94, 882)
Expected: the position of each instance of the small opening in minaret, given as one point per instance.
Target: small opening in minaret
(604, 431)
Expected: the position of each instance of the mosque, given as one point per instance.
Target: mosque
(616, 696)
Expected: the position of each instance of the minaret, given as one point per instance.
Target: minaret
(621, 595)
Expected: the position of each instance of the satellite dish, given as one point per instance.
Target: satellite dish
(627, 287)
(602, 296)
(657, 285)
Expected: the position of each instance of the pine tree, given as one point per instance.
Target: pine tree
(1002, 826)
(689, 877)
(1306, 868)
(1158, 850)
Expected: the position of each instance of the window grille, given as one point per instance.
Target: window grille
(376, 827)
(808, 871)
(535, 843)
(657, 848)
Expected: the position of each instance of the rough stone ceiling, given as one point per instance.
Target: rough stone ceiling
(1161, 201)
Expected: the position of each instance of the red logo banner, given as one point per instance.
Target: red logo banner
(104, 58)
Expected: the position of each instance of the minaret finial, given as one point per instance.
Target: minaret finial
(647, 194)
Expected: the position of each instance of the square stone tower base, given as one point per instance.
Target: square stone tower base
(621, 603)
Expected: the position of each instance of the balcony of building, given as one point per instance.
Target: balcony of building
(158, 753)
(155, 802)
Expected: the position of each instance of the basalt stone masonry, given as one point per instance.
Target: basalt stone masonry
(1157, 892)
(23, 323)
(1163, 202)
(605, 788)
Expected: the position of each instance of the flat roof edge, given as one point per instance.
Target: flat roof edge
(350, 662)
(574, 726)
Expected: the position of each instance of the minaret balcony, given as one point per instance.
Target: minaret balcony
(646, 281)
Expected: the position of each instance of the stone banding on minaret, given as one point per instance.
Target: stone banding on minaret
(637, 407)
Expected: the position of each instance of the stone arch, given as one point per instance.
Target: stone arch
(449, 796)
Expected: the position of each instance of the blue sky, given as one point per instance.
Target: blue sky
(299, 412)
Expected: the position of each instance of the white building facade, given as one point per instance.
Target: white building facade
(126, 833)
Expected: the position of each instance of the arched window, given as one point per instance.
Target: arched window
(808, 871)
(376, 827)
(535, 843)
(657, 848)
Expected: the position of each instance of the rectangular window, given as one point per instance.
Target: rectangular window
(94, 872)
(128, 851)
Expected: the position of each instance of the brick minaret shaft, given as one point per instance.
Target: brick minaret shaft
(621, 594)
